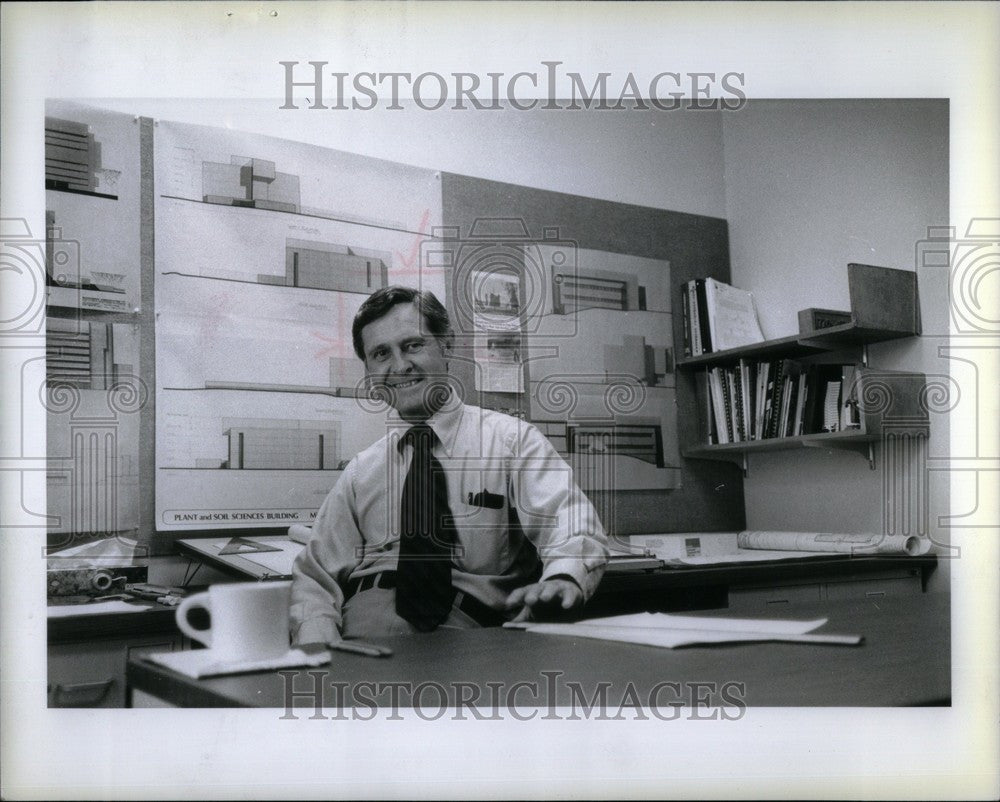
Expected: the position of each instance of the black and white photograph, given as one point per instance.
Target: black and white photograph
(477, 400)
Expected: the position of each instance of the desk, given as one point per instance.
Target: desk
(670, 589)
(904, 660)
(712, 587)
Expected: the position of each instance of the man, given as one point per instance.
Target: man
(458, 517)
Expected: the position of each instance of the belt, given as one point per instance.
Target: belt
(480, 613)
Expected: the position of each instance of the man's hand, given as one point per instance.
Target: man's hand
(548, 597)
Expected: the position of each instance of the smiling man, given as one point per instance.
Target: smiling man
(458, 517)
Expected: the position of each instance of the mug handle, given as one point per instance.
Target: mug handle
(198, 600)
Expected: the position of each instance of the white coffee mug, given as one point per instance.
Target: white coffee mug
(249, 620)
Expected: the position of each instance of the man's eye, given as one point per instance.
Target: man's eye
(380, 355)
(415, 346)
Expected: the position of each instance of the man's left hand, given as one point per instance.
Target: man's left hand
(542, 598)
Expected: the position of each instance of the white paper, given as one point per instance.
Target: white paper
(95, 608)
(669, 631)
(665, 621)
(198, 663)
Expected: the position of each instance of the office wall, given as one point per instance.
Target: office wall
(811, 186)
(668, 160)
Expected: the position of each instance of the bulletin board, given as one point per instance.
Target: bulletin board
(265, 250)
(93, 391)
(600, 283)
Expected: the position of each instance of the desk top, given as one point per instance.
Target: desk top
(904, 660)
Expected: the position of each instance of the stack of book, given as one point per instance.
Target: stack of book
(760, 400)
(717, 317)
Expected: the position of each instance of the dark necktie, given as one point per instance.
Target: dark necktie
(424, 593)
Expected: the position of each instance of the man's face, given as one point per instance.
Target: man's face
(407, 361)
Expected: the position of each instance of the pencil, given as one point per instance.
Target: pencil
(356, 647)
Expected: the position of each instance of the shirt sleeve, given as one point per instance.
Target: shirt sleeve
(555, 514)
(320, 572)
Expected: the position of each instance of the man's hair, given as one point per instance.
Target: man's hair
(378, 304)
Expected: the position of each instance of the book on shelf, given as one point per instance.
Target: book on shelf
(686, 320)
(809, 408)
(728, 410)
(776, 389)
(693, 319)
(831, 406)
(850, 417)
(763, 373)
(709, 432)
(704, 330)
(718, 405)
(735, 406)
(697, 331)
(745, 370)
(732, 316)
(760, 400)
(800, 398)
(789, 400)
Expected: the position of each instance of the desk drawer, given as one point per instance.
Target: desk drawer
(92, 673)
(875, 588)
(751, 599)
(757, 598)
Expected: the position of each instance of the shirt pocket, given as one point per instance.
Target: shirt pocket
(480, 510)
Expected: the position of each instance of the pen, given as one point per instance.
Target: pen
(358, 647)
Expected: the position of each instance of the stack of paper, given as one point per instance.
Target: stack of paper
(197, 663)
(661, 629)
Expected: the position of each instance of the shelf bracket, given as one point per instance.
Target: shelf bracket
(737, 458)
(866, 449)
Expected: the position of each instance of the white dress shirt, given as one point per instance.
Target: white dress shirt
(513, 498)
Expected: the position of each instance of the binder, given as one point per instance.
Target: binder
(799, 405)
(777, 403)
(703, 392)
(763, 377)
(704, 329)
(718, 404)
(746, 369)
(697, 348)
(686, 319)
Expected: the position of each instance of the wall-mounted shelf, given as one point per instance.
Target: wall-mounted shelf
(857, 441)
(884, 306)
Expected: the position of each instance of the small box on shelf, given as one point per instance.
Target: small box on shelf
(813, 319)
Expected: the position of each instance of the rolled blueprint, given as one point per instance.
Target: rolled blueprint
(834, 542)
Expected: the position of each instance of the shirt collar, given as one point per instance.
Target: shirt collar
(444, 423)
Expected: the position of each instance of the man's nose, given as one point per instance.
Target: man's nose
(400, 362)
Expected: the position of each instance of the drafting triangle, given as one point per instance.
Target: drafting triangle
(239, 545)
